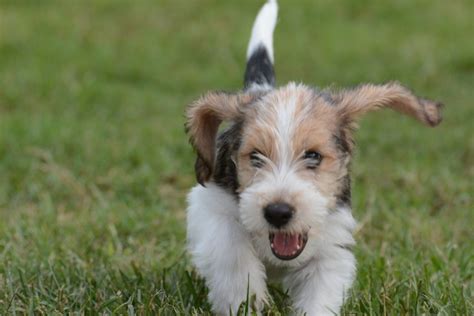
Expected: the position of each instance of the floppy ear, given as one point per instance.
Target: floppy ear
(368, 97)
(203, 119)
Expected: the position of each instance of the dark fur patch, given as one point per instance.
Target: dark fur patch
(344, 196)
(202, 170)
(225, 172)
(259, 69)
(345, 144)
(342, 143)
(327, 96)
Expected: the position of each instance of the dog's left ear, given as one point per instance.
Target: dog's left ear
(368, 97)
(203, 119)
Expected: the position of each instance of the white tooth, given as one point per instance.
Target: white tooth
(298, 247)
(271, 245)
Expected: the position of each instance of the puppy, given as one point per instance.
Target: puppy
(274, 197)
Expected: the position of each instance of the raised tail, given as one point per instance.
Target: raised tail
(259, 72)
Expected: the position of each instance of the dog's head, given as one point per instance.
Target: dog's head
(286, 155)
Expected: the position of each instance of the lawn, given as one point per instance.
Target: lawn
(95, 165)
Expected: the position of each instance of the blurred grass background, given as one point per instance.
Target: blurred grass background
(95, 165)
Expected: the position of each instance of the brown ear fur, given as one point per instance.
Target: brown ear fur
(368, 97)
(203, 119)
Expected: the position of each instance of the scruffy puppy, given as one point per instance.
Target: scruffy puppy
(274, 199)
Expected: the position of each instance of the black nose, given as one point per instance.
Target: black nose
(278, 214)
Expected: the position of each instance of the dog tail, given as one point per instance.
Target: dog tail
(259, 72)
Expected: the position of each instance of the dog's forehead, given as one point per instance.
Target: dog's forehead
(294, 107)
(294, 116)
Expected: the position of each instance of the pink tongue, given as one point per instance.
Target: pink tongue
(284, 244)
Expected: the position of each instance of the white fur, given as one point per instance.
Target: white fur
(320, 286)
(262, 31)
(229, 247)
(282, 184)
(259, 87)
(222, 251)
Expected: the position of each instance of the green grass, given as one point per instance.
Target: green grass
(95, 165)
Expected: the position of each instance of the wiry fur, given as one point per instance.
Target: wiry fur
(228, 234)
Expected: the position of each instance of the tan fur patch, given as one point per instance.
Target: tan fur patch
(312, 123)
(368, 97)
(203, 119)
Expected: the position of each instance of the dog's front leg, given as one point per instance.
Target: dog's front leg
(222, 252)
(227, 261)
(321, 286)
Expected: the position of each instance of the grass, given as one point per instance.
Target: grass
(95, 165)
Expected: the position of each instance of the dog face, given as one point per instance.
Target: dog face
(286, 156)
(292, 169)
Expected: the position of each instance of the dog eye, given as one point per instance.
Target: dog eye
(313, 159)
(256, 159)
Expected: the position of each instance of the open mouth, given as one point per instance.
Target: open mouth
(287, 246)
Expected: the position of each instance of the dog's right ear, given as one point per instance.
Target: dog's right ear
(203, 119)
(354, 103)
